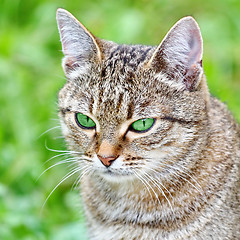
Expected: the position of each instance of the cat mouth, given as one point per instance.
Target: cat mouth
(115, 173)
(116, 177)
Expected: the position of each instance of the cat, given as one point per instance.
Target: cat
(159, 156)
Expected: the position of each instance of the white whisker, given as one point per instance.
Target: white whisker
(59, 137)
(145, 182)
(157, 180)
(78, 180)
(179, 175)
(56, 127)
(68, 175)
(57, 164)
(182, 171)
(151, 179)
(58, 155)
(54, 119)
(190, 176)
(61, 151)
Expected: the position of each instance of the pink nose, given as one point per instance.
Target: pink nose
(107, 160)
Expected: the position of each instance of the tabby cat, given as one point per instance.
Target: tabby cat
(159, 156)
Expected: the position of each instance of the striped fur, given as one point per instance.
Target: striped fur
(180, 179)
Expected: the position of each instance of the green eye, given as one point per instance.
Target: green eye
(84, 121)
(142, 125)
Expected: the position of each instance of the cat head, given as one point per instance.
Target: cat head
(127, 110)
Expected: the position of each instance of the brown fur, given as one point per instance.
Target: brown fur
(177, 180)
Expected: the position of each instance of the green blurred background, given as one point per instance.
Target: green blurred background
(31, 75)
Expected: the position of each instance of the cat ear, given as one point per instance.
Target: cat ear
(79, 46)
(180, 53)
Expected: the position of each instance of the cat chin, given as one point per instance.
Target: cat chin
(116, 177)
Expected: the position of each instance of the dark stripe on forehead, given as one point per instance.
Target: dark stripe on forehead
(119, 103)
(130, 110)
(130, 56)
(100, 96)
(91, 104)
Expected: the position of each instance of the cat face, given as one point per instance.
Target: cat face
(131, 110)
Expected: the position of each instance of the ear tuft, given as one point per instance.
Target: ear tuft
(78, 44)
(180, 53)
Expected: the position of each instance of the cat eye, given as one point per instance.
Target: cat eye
(84, 121)
(142, 125)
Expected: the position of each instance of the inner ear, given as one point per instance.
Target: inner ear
(71, 63)
(79, 46)
(179, 55)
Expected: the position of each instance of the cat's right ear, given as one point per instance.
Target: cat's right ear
(79, 46)
(179, 55)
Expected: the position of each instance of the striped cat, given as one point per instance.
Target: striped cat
(159, 155)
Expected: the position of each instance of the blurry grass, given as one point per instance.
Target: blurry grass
(31, 75)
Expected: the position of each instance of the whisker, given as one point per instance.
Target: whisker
(156, 180)
(78, 180)
(191, 177)
(179, 175)
(162, 165)
(58, 155)
(68, 175)
(176, 173)
(181, 166)
(151, 179)
(54, 119)
(69, 153)
(57, 164)
(59, 137)
(143, 183)
(183, 171)
(61, 151)
(146, 182)
(56, 127)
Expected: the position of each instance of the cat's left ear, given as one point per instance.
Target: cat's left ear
(79, 46)
(179, 55)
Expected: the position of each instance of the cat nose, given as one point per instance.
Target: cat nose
(107, 153)
(107, 161)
